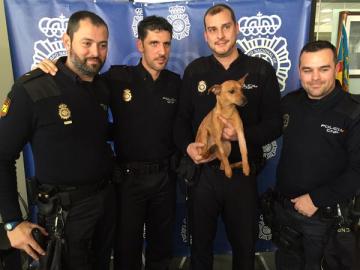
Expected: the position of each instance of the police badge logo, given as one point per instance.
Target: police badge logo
(136, 19)
(5, 107)
(52, 47)
(286, 119)
(257, 41)
(202, 86)
(180, 22)
(65, 113)
(127, 96)
(264, 231)
(269, 150)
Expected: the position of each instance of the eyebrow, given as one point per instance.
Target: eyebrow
(307, 67)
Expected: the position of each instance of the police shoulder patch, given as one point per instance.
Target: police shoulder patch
(5, 107)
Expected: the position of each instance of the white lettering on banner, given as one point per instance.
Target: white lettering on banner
(136, 19)
(52, 47)
(330, 129)
(269, 150)
(180, 22)
(257, 42)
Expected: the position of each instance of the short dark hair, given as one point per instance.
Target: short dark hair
(318, 45)
(217, 9)
(152, 23)
(75, 18)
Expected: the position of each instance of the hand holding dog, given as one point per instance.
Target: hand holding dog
(229, 132)
(194, 150)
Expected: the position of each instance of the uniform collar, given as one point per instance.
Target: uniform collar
(328, 100)
(145, 75)
(237, 61)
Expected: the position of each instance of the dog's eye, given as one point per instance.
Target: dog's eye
(232, 91)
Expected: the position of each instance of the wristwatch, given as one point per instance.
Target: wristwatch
(9, 226)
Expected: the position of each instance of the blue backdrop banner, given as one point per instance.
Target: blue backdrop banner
(274, 30)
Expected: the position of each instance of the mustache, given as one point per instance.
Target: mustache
(93, 58)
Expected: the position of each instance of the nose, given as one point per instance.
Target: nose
(162, 49)
(220, 34)
(315, 75)
(94, 50)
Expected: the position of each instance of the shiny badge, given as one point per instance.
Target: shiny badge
(5, 107)
(64, 112)
(202, 86)
(286, 118)
(127, 96)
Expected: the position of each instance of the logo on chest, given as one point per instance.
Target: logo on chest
(127, 96)
(331, 129)
(169, 100)
(65, 113)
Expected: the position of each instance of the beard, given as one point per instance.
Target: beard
(82, 64)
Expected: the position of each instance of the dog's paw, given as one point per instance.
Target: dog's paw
(246, 169)
(228, 172)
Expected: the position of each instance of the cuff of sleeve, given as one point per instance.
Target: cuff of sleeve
(11, 214)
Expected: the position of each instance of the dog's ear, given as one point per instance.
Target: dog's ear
(242, 80)
(216, 89)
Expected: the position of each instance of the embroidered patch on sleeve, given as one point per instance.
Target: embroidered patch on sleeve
(5, 107)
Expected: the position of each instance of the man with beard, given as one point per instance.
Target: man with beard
(143, 105)
(214, 194)
(65, 119)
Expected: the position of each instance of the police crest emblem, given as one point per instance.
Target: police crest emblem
(202, 86)
(52, 47)
(260, 41)
(286, 118)
(127, 96)
(180, 22)
(64, 112)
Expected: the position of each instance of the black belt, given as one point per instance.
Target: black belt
(70, 194)
(328, 212)
(255, 167)
(141, 168)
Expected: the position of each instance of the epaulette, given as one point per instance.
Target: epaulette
(30, 76)
(350, 106)
(39, 85)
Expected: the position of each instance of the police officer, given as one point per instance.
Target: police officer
(65, 120)
(143, 103)
(214, 194)
(319, 165)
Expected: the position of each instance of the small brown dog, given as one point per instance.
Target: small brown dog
(228, 95)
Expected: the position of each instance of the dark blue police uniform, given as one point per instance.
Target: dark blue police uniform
(234, 199)
(321, 157)
(65, 121)
(143, 112)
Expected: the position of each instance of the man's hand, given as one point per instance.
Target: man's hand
(48, 66)
(21, 238)
(304, 205)
(193, 151)
(229, 132)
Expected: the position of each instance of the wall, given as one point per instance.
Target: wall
(6, 80)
